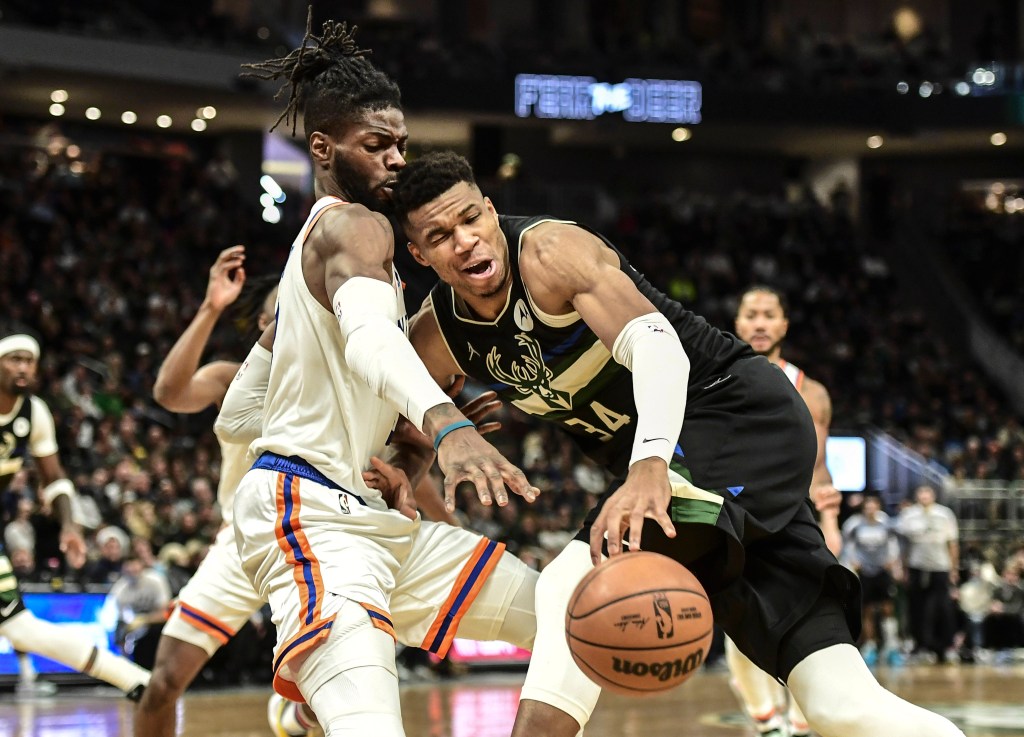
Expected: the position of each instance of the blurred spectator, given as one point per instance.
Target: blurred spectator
(19, 533)
(142, 595)
(1004, 624)
(871, 549)
(113, 545)
(932, 566)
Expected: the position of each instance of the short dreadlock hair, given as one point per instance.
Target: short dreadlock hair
(426, 178)
(331, 79)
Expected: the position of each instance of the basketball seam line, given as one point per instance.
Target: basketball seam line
(624, 647)
(637, 593)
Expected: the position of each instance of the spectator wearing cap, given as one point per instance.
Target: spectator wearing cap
(113, 544)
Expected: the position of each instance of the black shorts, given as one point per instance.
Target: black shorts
(877, 588)
(748, 438)
(10, 595)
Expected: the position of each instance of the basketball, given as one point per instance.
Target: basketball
(639, 624)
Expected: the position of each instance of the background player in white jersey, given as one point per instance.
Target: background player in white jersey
(218, 599)
(762, 321)
(27, 429)
(343, 572)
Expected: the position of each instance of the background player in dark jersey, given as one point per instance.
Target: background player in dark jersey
(762, 321)
(552, 317)
(26, 429)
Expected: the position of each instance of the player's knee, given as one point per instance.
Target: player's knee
(166, 684)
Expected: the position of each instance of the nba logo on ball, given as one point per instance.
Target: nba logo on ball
(639, 623)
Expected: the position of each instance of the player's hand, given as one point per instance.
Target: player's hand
(72, 544)
(227, 276)
(393, 485)
(827, 499)
(464, 455)
(645, 495)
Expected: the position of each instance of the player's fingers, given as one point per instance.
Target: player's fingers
(483, 489)
(517, 481)
(662, 517)
(456, 387)
(449, 492)
(614, 533)
(496, 482)
(636, 528)
(488, 427)
(597, 531)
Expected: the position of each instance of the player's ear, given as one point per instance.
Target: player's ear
(490, 206)
(414, 250)
(321, 148)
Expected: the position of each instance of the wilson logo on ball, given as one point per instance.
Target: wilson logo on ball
(664, 671)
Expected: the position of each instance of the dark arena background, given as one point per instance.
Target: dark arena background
(864, 158)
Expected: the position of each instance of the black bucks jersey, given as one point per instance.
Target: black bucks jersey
(555, 368)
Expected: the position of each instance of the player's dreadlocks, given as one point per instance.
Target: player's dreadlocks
(330, 78)
(424, 179)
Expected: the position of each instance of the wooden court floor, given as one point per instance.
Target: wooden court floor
(984, 701)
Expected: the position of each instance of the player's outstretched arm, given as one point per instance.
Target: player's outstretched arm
(364, 301)
(181, 386)
(563, 266)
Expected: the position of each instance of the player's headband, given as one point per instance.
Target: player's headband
(19, 342)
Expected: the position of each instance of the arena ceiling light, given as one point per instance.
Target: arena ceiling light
(164, 121)
(681, 134)
(128, 117)
(59, 96)
(998, 138)
(56, 109)
(198, 125)
(875, 141)
(93, 113)
(208, 112)
(902, 87)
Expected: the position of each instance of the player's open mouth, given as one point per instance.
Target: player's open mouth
(480, 269)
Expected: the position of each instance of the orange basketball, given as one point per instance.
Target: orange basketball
(639, 623)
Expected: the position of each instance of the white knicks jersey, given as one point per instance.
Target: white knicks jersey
(317, 408)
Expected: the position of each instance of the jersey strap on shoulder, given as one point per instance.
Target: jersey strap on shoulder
(324, 205)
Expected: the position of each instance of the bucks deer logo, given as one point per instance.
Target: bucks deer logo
(529, 375)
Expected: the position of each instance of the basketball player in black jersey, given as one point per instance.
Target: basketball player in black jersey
(712, 447)
(27, 430)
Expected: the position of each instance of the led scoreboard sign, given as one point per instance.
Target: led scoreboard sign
(560, 97)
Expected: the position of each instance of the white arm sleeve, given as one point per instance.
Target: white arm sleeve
(379, 352)
(649, 347)
(241, 413)
(42, 441)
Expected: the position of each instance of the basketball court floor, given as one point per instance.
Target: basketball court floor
(984, 701)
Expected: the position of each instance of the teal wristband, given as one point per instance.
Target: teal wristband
(451, 428)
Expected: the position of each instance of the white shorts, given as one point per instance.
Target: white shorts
(216, 601)
(307, 546)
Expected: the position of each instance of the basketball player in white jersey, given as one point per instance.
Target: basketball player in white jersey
(218, 599)
(343, 573)
(27, 430)
(761, 320)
